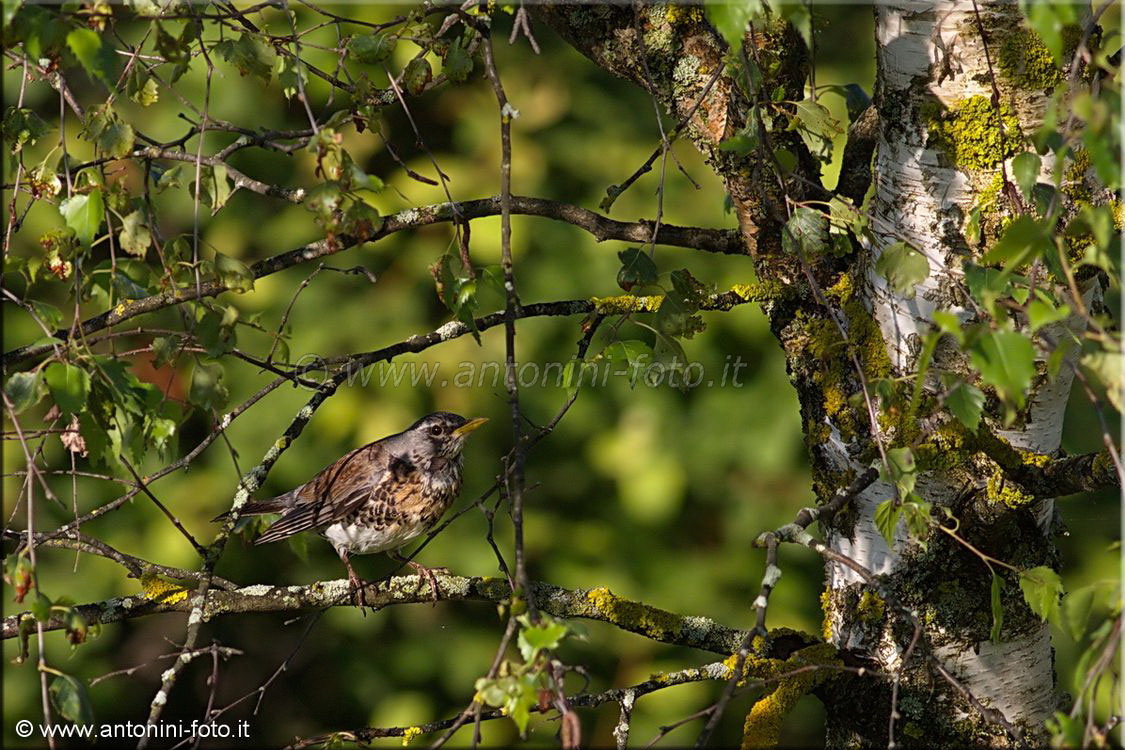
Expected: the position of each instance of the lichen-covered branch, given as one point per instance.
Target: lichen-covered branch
(594, 604)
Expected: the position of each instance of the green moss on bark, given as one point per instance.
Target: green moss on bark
(971, 134)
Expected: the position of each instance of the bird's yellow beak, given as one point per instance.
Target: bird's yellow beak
(469, 426)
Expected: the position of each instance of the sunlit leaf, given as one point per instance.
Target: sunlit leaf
(1042, 588)
(84, 214)
(903, 267)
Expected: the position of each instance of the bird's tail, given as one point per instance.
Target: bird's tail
(261, 507)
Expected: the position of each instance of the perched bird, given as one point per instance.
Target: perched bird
(378, 497)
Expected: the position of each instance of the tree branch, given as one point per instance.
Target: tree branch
(600, 227)
(594, 604)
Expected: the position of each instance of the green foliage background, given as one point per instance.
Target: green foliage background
(650, 491)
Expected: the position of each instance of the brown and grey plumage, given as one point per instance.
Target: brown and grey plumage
(379, 497)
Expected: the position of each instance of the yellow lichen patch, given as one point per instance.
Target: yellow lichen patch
(825, 606)
(759, 291)
(944, 449)
(871, 608)
(763, 722)
(159, 590)
(731, 663)
(1005, 492)
(410, 734)
(626, 303)
(1038, 460)
(639, 618)
(683, 13)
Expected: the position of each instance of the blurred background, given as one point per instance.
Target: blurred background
(653, 492)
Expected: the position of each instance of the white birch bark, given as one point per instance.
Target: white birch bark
(927, 52)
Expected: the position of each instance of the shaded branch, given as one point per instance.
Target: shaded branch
(600, 227)
(855, 165)
(91, 546)
(1044, 476)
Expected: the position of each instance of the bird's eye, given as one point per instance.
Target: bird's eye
(436, 430)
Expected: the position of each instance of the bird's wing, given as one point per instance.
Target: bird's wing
(333, 494)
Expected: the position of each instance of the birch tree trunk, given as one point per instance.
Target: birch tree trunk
(943, 139)
(959, 89)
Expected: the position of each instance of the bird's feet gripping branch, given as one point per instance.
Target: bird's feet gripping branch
(379, 497)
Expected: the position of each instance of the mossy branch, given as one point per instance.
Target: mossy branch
(595, 604)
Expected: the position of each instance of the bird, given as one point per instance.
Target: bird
(379, 497)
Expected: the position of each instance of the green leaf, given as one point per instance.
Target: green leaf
(371, 48)
(40, 607)
(1006, 361)
(972, 228)
(886, 519)
(1067, 731)
(1076, 608)
(948, 322)
(1050, 20)
(678, 315)
(9, 10)
(1042, 313)
(112, 136)
(786, 159)
(291, 75)
(1025, 168)
(1023, 240)
(84, 214)
(985, 284)
(798, 15)
(168, 178)
(817, 127)
(458, 63)
(249, 54)
(234, 274)
(637, 269)
(24, 389)
(542, 637)
(417, 75)
(916, 514)
(1042, 588)
(207, 390)
(164, 350)
(633, 353)
(22, 127)
(966, 402)
(574, 375)
(215, 186)
(69, 386)
(902, 470)
(742, 142)
(69, 696)
(135, 237)
(903, 267)
(731, 19)
(98, 58)
(1106, 367)
(806, 231)
(141, 87)
(997, 609)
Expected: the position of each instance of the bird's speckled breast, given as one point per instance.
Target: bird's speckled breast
(399, 510)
